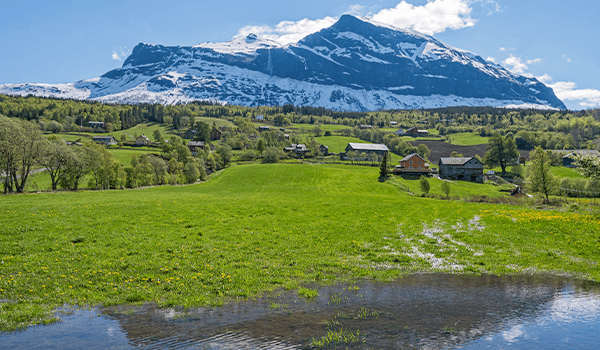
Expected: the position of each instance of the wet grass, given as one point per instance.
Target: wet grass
(257, 228)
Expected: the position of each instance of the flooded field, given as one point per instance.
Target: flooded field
(415, 312)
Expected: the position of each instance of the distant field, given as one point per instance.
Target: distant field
(125, 155)
(467, 139)
(324, 127)
(562, 171)
(263, 227)
(338, 144)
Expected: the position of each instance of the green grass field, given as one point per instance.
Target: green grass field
(467, 139)
(561, 171)
(260, 227)
(324, 127)
(124, 155)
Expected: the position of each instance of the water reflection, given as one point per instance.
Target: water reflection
(418, 311)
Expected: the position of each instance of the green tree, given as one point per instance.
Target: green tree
(157, 135)
(55, 159)
(446, 188)
(192, 173)
(424, 151)
(260, 147)
(424, 183)
(225, 154)
(273, 154)
(317, 131)
(21, 147)
(501, 151)
(540, 177)
(383, 167)
(589, 166)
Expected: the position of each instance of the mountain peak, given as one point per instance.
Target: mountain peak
(355, 64)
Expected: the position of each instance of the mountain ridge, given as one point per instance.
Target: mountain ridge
(352, 65)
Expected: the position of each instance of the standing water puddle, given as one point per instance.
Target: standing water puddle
(417, 311)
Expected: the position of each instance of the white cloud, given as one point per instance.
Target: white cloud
(491, 59)
(515, 65)
(119, 54)
(355, 10)
(287, 31)
(507, 49)
(545, 78)
(567, 91)
(434, 17)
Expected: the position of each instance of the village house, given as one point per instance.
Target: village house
(568, 160)
(194, 146)
(417, 132)
(470, 169)
(190, 134)
(260, 117)
(324, 150)
(413, 165)
(264, 128)
(400, 132)
(215, 134)
(393, 123)
(366, 126)
(367, 148)
(105, 140)
(97, 126)
(299, 150)
(142, 140)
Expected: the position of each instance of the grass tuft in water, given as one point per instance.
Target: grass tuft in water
(335, 338)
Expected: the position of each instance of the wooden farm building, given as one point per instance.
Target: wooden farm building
(215, 134)
(299, 150)
(142, 140)
(324, 150)
(470, 169)
(367, 148)
(413, 165)
(194, 146)
(568, 160)
(105, 140)
(417, 132)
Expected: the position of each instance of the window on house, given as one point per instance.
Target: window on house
(410, 162)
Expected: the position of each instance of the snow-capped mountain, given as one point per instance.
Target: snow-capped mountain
(355, 64)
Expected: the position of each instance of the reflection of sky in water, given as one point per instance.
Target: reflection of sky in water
(438, 311)
(572, 321)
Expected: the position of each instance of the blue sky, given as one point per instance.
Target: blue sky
(66, 41)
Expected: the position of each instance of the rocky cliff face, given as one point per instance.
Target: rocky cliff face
(353, 65)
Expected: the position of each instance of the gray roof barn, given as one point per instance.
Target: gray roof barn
(366, 147)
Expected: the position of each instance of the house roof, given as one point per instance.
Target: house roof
(142, 136)
(297, 147)
(368, 146)
(102, 137)
(196, 143)
(408, 157)
(571, 153)
(423, 131)
(455, 161)
(324, 146)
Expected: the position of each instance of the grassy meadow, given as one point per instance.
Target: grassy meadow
(259, 227)
(467, 139)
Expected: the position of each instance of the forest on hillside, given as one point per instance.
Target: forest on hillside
(548, 129)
